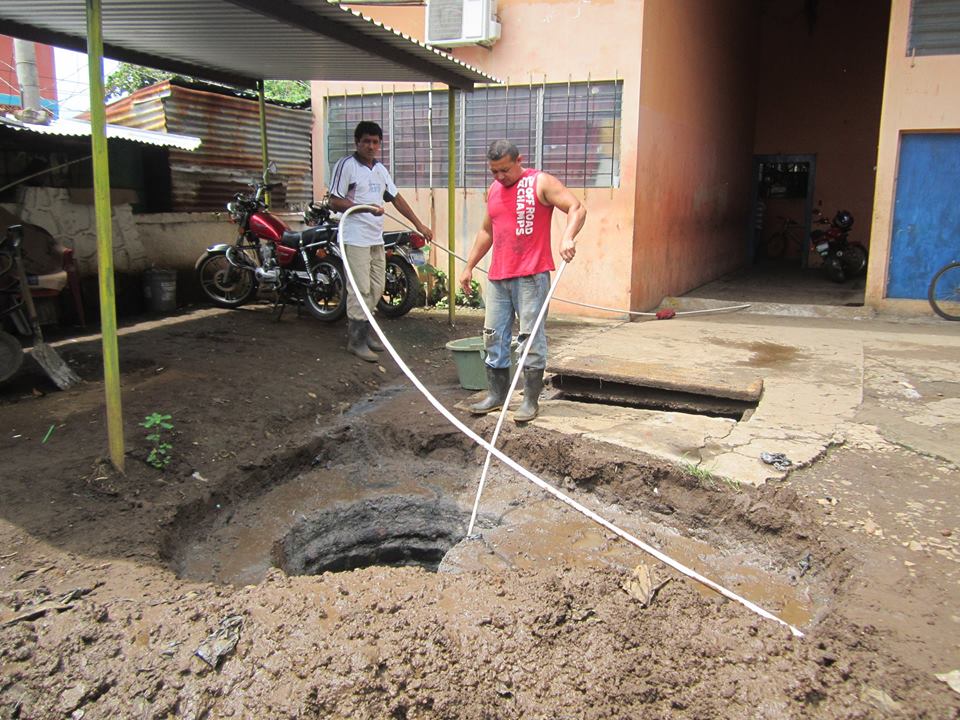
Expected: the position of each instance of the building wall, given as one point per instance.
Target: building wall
(921, 94)
(694, 150)
(559, 41)
(9, 86)
(820, 85)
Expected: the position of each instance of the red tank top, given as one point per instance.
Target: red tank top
(521, 229)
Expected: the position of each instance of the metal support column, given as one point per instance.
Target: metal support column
(264, 150)
(103, 213)
(451, 203)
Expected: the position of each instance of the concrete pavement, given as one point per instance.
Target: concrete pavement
(825, 381)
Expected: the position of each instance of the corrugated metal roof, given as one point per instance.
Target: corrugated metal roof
(230, 157)
(81, 128)
(239, 41)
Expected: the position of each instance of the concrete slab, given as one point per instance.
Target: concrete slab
(814, 372)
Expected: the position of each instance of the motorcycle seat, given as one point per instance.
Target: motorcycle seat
(292, 238)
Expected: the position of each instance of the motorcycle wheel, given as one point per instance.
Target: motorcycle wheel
(833, 266)
(854, 259)
(11, 356)
(402, 289)
(224, 284)
(327, 301)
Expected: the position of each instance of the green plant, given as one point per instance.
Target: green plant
(439, 295)
(703, 476)
(160, 449)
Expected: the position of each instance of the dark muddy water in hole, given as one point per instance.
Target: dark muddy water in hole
(402, 509)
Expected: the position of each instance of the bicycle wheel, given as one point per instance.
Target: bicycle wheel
(944, 292)
(776, 245)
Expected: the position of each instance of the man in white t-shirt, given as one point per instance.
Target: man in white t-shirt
(360, 179)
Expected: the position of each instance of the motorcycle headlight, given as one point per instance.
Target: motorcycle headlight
(232, 207)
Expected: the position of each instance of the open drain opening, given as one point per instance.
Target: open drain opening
(393, 530)
(609, 392)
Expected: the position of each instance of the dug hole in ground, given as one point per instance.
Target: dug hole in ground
(302, 552)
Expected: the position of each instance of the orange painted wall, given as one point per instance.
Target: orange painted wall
(921, 94)
(820, 90)
(562, 40)
(695, 145)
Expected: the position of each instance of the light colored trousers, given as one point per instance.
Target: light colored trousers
(521, 298)
(369, 266)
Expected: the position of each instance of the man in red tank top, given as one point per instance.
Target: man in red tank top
(520, 204)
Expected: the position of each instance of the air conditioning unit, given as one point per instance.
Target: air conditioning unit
(462, 22)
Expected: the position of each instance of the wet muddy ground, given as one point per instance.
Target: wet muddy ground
(291, 458)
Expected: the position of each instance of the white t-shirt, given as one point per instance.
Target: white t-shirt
(354, 181)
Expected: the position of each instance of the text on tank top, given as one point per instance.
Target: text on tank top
(521, 229)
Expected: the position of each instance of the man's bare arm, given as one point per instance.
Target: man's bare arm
(481, 246)
(339, 204)
(551, 191)
(404, 207)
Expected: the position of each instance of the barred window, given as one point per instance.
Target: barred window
(934, 27)
(492, 114)
(343, 114)
(570, 130)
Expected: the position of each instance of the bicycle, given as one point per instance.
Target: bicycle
(944, 291)
(788, 236)
(788, 240)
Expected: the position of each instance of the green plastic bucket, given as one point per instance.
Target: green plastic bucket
(469, 355)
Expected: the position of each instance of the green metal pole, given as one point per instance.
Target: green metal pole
(102, 212)
(264, 151)
(451, 203)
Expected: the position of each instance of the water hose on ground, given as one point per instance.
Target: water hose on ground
(510, 462)
(513, 386)
(706, 311)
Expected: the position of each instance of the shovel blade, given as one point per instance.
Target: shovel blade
(54, 366)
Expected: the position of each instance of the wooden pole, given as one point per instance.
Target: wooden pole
(102, 212)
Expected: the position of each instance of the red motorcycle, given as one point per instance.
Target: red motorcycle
(842, 259)
(300, 267)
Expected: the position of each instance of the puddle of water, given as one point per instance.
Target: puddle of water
(542, 533)
(521, 528)
(237, 548)
(764, 353)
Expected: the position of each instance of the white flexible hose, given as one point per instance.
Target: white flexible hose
(679, 567)
(513, 386)
(728, 308)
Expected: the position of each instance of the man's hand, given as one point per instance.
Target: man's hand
(568, 249)
(466, 277)
(425, 231)
(378, 211)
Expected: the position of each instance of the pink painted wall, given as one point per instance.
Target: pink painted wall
(695, 145)
(557, 40)
(820, 89)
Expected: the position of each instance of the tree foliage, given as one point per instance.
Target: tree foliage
(127, 78)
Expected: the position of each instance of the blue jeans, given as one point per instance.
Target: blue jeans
(520, 297)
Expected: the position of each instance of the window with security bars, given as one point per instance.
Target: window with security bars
(570, 130)
(934, 27)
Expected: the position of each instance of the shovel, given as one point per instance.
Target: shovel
(52, 364)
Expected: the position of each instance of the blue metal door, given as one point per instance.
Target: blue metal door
(926, 213)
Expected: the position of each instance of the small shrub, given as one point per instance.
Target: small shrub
(159, 456)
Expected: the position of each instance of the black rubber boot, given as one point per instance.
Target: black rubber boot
(357, 340)
(498, 382)
(532, 387)
(373, 342)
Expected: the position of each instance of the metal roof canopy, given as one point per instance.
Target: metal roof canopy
(242, 41)
(239, 42)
